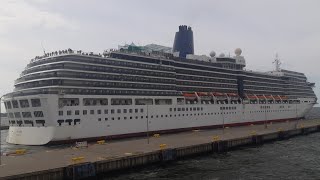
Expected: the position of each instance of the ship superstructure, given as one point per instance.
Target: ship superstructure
(70, 95)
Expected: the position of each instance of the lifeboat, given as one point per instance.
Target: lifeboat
(269, 97)
(276, 97)
(190, 95)
(261, 97)
(251, 97)
(284, 97)
(204, 95)
(219, 95)
(233, 95)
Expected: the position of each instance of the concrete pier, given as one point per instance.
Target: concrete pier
(103, 157)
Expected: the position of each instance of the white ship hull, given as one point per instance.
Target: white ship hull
(152, 118)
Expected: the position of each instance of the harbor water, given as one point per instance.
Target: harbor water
(295, 158)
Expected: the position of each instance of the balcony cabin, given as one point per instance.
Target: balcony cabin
(95, 101)
(68, 102)
(144, 101)
(121, 101)
(163, 101)
(42, 122)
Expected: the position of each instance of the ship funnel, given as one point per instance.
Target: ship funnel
(183, 41)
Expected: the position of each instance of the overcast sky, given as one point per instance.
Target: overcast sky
(261, 29)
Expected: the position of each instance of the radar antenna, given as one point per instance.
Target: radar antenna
(277, 62)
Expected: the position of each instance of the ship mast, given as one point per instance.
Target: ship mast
(277, 62)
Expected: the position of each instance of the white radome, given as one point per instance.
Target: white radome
(238, 51)
(212, 54)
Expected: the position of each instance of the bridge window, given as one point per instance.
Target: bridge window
(15, 104)
(40, 122)
(35, 102)
(17, 115)
(60, 121)
(69, 121)
(38, 114)
(8, 104)
(26, 114)
(24, 103)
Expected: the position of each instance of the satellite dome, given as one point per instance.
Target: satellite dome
(212, 54)
(222, 55)
(238, 51)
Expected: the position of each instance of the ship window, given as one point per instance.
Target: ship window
(112, 111)
(106, 111)
(121, 101)
(9, 104)
(77, 112)
(11, 115)
(26, 114)
(24, 103)
(35, 102)
(170, 109)
(125, 111)
(68, 102)
(60, 121)
(106, 119)
(118, 118)
(99, 119)
(19, 122)
(69, 113)
(118, 110)
(76, 121)
(40, 122)
(28, 122)
(130, 117)
(91, 111)
(125, 118)
(69, 121)
(130, 110)
(141, 110)
(15, 104)
(60, 113)
(136, 110)
(17, 115)
(143, 101)
(84, 112)
(163, 101)
(13, 122)
(99, 111)
(38, 114)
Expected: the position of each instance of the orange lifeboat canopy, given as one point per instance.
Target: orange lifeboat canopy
(218, 94)
(203, 94)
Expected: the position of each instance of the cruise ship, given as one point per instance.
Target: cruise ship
(69, 95)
